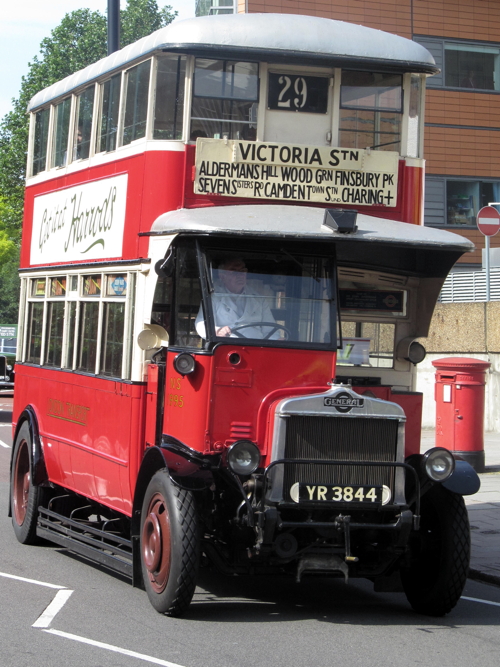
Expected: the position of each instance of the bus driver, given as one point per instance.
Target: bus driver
(236, 306)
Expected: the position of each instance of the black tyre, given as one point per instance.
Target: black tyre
(440, 554)
(170, 545)
(24, 497)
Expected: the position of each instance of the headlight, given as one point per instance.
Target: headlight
(243, 457)
(184, 363)
(438, 464)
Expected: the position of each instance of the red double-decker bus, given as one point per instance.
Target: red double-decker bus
(223, 276)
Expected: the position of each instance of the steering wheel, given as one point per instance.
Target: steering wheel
(274, 327)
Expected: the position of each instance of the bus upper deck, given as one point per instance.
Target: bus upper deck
(283, 108)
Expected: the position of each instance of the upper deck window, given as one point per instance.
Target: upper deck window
(108, 121)
(371, 110)
(225, 96)
(136, 102)
(83, 129)
(169, 101)
(41, 139)
(62, 114)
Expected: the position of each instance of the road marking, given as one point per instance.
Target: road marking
(494, 604)
(30, 581)
(60, 599)
(4, 444)
(115, 649)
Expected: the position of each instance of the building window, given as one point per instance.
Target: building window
(210, 7)
(225, 96)
(456, 202)
(471, 66)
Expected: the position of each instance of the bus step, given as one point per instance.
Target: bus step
(108, 549)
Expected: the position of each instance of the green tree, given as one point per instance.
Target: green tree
(79, 40)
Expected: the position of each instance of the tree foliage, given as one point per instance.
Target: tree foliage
(79, 40)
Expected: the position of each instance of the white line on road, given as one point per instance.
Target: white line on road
(115, 649)
(4, 444)
(45, 619)
(494, 604)
(30, 581)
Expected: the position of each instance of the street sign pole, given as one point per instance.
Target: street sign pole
(487, 253)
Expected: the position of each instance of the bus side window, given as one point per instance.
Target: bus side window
(62, 113)
(162, 303)
(169, 100)
(40, 141)
(136, 102)
(54, 326)
(225, 97)
(187, 299)
(108, 117)
(35, 321)
(83, 125)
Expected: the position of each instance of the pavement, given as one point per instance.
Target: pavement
(484, 511)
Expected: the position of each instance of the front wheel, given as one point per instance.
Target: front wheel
(24, 497)
(170, 545)
(440, 554)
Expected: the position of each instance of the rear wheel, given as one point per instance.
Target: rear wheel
(170, 545)
(25, 498)
(440, 554)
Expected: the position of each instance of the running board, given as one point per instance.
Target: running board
(101, 546)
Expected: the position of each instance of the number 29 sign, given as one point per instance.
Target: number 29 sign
(290, 92)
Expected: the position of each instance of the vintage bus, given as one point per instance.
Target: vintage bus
(223, 276)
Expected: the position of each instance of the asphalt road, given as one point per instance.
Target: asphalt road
(59, 611)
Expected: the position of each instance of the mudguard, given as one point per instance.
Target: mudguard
(464, 479)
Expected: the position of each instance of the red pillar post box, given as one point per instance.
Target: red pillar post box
(459, 393)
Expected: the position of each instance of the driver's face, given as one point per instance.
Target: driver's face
(234, 276)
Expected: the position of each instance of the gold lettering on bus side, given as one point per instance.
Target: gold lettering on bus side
(69, 412)
(175, 383)
(176, 401)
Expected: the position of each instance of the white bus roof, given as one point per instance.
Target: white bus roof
(304, 222)
(269, 37)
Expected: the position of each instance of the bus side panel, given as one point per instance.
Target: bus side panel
(163, 185)
(155, 186)
(94, 425)
(187, 401)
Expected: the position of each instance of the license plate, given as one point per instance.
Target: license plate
(340, 494)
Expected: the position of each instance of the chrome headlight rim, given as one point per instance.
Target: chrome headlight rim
(243, 450)
(438, 464)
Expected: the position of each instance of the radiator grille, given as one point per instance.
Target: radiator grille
(344, 439)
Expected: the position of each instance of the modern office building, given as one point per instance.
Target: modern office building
(462, 138)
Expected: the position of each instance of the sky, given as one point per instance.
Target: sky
(25, 23)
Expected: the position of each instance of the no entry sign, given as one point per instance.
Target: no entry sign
(488, 221)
